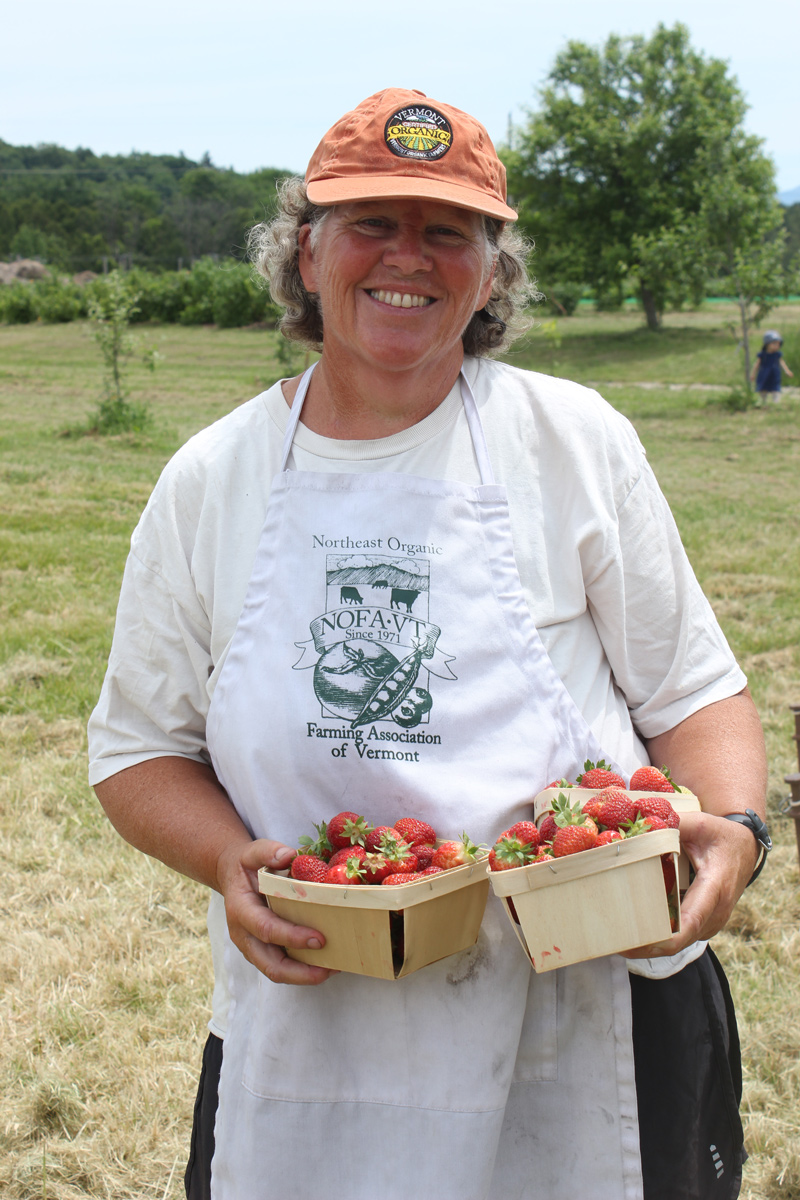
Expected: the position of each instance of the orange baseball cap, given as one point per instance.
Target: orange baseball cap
(400, 144)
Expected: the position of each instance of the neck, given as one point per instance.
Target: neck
(351, 401)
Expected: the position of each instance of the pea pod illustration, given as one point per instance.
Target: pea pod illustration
(391, 690)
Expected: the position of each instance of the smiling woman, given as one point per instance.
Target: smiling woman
(503, 661)
(273, 249)
(398, 281)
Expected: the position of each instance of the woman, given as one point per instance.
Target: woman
(414, 463)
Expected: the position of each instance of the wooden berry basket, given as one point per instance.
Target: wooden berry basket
(387, 932)
(601, 901)
(682, 802)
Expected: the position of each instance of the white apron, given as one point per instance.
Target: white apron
(474, 1074)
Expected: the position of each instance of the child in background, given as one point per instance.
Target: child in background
(769, 364)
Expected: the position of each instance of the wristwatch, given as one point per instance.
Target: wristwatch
(759, 832)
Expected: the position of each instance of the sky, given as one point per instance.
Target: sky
(257, 84)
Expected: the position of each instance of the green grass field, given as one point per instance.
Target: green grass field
(104, 961)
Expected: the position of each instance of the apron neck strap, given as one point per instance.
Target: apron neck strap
(470, 412)
(294, 415)
(476, 431)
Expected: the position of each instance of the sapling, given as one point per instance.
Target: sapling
(110, 311)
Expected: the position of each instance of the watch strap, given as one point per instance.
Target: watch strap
(759, 830)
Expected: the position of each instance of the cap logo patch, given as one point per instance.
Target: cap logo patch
(418, 132)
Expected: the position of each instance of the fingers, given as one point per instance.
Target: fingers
(722, 854)
(261, 935)
(275, 856)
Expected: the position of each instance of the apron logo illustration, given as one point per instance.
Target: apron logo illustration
(372, 661)
(418, 132)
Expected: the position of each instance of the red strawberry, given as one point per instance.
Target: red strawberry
(559, 783)
(393, 880)
(455, 854)
(643, 824)
(347, 873)
(431, 870)
(320, 846)
(609, 835)
(599, 775)
(346, 829)
(547, 827)
(575, 832)
(415, 832)
(405, 866)
(543, 854)
(572, 839)
(650, 779)
(653, 822)
(668, 869)
(658, 806)
(592, 807)
(509, 852)
(376, 868)
(345, 854)
(614, 809)
(309, 868)
(397, 858)
(527, 833)
(374, 837)
(424, 854)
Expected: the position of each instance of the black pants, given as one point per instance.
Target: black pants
(688, 1085)
(197, 1178)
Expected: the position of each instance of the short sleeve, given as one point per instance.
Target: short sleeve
(666, 650)
(154, 700)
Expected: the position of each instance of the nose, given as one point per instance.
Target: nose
(406, 252)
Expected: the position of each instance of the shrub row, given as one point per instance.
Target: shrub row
(224, 294)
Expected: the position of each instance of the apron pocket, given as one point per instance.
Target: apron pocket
(537, 1057)
(357, 1039)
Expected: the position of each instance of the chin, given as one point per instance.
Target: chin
(405, 353)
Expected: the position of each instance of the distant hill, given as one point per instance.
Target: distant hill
(791, 197)
(72, 208)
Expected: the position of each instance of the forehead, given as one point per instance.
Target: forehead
(424, 212)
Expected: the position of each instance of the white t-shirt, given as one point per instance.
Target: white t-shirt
(600, 559)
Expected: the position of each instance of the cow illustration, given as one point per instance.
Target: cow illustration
(381, 583)
(351, 595)
(403, 596)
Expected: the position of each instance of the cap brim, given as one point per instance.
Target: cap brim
(406, 187)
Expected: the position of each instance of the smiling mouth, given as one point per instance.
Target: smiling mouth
(401, 299)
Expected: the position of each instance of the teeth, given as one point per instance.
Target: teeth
(402, 299)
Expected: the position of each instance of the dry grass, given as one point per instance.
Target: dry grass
(106, 978)
(103, 957)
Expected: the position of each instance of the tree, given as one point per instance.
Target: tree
(791, 221)
(610, 174)
(745, 232)
(110, 310)
(78, 210)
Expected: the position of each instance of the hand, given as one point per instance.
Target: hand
(723, 854)
(255, 930)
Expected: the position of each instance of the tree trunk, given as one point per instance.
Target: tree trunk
(745, 342)
(650, 311)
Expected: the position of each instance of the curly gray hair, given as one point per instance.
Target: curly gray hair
(272, 247)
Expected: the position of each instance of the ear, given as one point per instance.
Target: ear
(305, 259)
